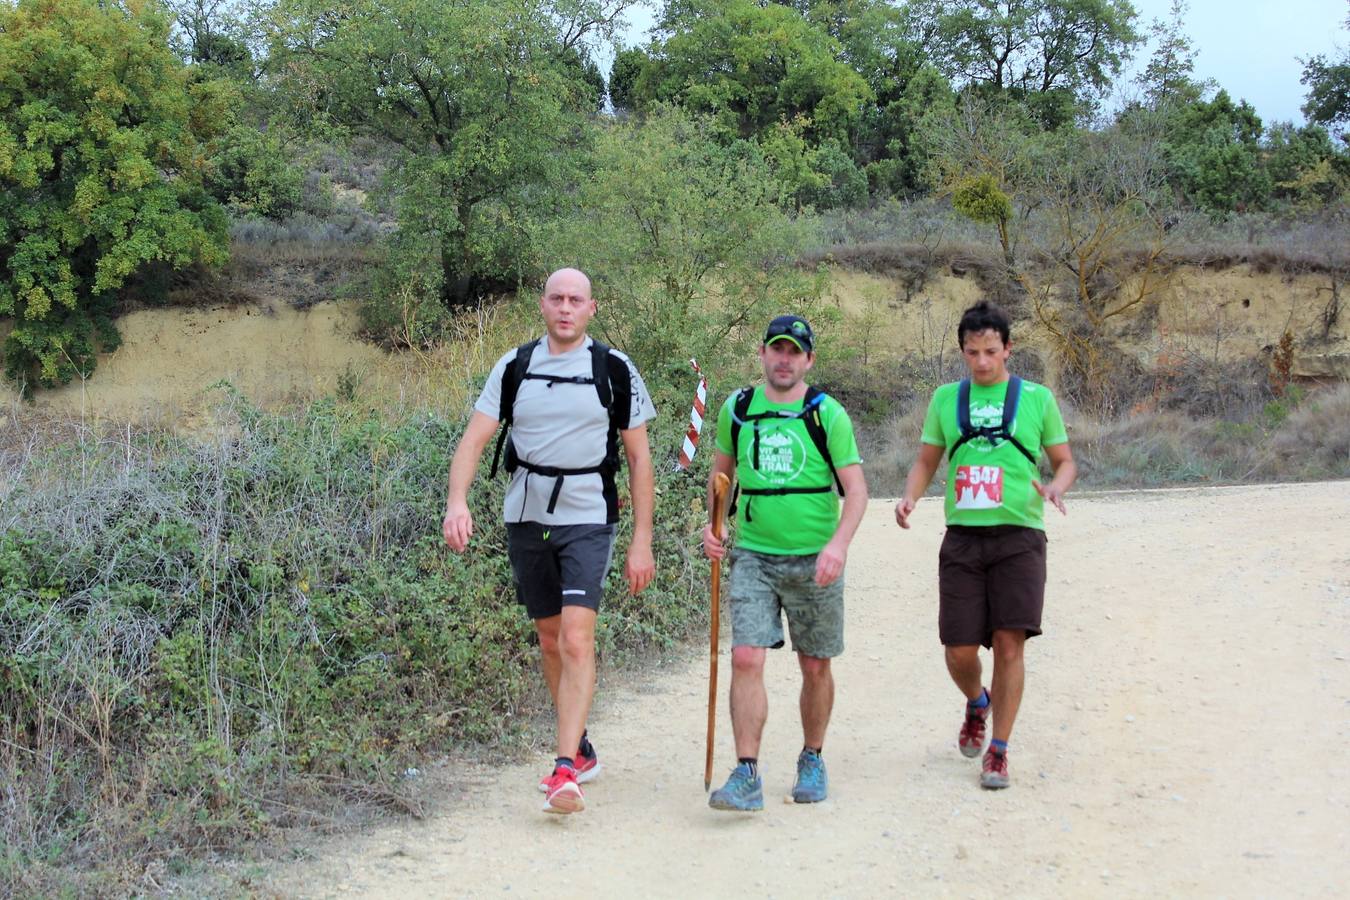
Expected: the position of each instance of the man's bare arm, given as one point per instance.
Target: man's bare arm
(457, 527)
(640, 567)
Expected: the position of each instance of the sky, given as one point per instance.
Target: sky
(1250, 47)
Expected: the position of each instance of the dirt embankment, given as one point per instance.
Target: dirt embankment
(1231, 314)
(1180, 735)
(273, 353)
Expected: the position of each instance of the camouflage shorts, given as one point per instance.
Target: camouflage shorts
(762, 587)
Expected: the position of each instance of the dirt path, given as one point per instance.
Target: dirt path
(1183, 732)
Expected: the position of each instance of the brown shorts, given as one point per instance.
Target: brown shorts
(990, 578)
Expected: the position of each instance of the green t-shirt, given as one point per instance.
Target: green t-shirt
(988, 485)
(787, 524)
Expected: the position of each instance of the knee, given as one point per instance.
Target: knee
(814, 668)
(576, 645)
(962, 656)
(747, 660)
(1008, 646)
(549, 643)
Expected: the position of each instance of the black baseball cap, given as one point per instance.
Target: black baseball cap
(792, 328)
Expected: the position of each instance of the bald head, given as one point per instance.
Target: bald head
(568, 281)
(567, 307)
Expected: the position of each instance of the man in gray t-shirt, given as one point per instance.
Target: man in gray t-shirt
(561, 506)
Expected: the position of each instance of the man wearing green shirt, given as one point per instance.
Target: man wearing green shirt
(789, 447)
(991, 568)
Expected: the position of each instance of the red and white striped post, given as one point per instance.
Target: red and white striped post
(695, 420)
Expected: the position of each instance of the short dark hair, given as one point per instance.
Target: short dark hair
(984, 316)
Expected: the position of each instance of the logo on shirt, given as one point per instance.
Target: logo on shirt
(782, 455)
(987, 414)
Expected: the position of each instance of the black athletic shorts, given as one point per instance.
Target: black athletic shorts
(559, 565)
(989, 578)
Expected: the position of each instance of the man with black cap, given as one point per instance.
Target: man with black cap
(790, 447)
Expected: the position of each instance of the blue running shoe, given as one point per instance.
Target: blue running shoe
(812, 782)
(743, 792)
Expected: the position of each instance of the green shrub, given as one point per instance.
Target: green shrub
(253, 172)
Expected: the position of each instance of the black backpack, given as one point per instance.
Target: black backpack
(995, 433)
(613, 384)
(815, 429)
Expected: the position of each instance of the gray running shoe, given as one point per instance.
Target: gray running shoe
(995, 774)
(812, 782)
(743, 792)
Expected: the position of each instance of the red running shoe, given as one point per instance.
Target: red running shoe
(587, 767)
(564, 795)
(995, 774)
(971, 739)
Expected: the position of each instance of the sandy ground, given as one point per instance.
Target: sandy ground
(1183, 732)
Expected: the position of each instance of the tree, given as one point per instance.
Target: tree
(686, 241)
(989, 149)
(898, 167)
(751, 67)
(211, 33)
(1102, 198)
(1169, 78)
(623, 75)
(1304, 166)
(979, 199)
(1033, 47)
(479, 95)
(101, 165)
(1328, 86)
(1214, 152)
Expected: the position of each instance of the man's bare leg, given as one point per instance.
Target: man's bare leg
(749, 701)
(817, 699)
(1009, 676)
(963, 664)
(550, 654)
(576, 676)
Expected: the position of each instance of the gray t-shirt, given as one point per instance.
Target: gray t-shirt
(562, 425)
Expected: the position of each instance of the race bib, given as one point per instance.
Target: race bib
(979, 487)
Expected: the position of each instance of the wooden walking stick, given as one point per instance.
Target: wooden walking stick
(720, 485)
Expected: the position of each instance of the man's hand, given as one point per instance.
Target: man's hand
(1052, 495)
(713, 548)
(903, 508)
(457, 526)
(830, 563)
(640, 566)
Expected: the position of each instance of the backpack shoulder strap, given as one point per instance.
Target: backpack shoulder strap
(739, 410)
(1011, 395)
(1010, 398)
(512, 376)
(963, 406)
(815, 427)
(619, 382)
(600, 373)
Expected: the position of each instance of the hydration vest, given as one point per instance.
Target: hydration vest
(815, 429)
(614, 385)
(992, 433)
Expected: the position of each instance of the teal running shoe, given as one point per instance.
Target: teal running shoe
(812, 782)
(743, 792)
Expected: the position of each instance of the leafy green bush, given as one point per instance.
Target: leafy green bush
(254, 173)
(101, 137)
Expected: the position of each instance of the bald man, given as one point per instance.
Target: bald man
(569, 401)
